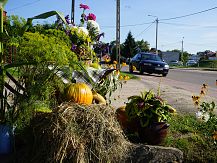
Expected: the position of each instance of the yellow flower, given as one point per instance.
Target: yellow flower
(214, 135)
(205, 86)
(110, 66)
(197, 102)
(115, 62)
(195, 98)
(134, 68)
(124, 64)
(202, 92)
(107, 60)
(126, 77)
(117, 72)
(121, 77)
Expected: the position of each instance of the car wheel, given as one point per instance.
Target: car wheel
(140, 70)
(130, 68)
(164, 75)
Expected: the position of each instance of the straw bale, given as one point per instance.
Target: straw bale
(78, 133)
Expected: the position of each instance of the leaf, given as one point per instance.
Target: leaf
(44, 16)
(3, 2)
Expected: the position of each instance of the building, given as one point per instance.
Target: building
(170, 56)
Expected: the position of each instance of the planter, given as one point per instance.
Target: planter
(154, 134)
(6, 138)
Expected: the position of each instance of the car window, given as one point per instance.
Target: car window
(138, 56)
(135, 57)
(151, 57)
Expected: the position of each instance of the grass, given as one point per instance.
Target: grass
(131, 76)
(189, 135)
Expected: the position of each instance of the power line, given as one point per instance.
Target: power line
(144, 30)
(189, 14)
(27, 4)
(191, 25)
(128, 25)
(178, 24)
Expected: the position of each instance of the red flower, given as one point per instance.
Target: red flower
(91, 16)
(85, 7)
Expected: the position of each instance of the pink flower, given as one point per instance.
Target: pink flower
(85, 7)
(91, 16)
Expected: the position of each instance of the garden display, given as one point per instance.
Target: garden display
(144, 118)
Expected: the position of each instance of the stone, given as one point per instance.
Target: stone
(154, 154)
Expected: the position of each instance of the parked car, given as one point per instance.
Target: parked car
(191, 62)
(176, 63)
(148, 62)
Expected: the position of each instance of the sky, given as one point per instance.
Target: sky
(197, 32)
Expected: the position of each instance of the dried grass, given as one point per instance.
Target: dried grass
(78, 133)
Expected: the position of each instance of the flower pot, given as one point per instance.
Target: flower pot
(5, 139)
(153, 134)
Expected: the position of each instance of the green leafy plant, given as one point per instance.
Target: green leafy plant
(206, 113)
(148, 108)
(189, 135)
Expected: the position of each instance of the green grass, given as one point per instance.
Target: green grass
(130, 75)
(190, 136)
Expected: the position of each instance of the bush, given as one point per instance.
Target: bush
(208, 63)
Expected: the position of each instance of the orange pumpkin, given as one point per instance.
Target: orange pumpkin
(79, 93)
(122, 117)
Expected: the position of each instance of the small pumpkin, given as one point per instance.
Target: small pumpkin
(79, 93)
(122, 117)
(99, 99)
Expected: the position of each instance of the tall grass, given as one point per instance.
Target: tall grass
(190, 136)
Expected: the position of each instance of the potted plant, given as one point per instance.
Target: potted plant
(147, 116)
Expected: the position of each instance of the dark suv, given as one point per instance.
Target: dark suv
(150, 63)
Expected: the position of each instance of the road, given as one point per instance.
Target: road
(190, 80)
(180, 84)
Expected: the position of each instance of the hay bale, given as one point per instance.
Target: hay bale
(78, 133)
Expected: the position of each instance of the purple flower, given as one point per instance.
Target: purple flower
(73, 48)
(91, 16)
(85, 7)
(67, 19)
(67, 32)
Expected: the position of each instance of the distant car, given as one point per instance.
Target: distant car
(175, 63)
(191, 62)
(149, 63)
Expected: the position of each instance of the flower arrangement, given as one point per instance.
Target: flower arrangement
(205, 112)
(144, 118)
(148, 108)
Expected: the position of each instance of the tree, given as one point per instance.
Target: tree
(112, 48)
(143, 45)
(129, 46)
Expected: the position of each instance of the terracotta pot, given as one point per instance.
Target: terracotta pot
(153, 134)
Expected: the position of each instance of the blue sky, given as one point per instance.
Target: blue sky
(198, 32)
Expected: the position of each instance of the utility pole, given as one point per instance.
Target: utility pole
(156, 33)
(118, 33)
(73, 12)
(182, 49)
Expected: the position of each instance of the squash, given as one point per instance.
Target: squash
(122, 117)
(98, 98)
(79, 93)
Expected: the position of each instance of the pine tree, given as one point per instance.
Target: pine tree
(129, 49)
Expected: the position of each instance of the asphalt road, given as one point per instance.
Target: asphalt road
(179, 85)
(187, 79)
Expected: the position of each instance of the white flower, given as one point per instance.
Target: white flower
(83, 29)
(203, 116)
(93, 25)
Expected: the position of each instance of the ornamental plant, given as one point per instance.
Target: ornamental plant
(205, 113)
(148, 108)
